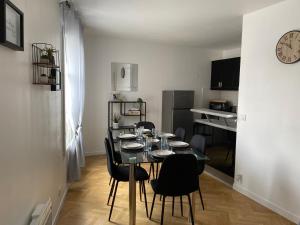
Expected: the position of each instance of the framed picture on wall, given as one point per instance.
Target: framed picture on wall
(11, 26)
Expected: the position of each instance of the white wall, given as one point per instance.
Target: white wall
(268, 141)
(32, 164)
(160, 67)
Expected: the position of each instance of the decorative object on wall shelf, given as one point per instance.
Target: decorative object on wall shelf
(288, 47)
(11, 26)
(116, 120)
(46, 69)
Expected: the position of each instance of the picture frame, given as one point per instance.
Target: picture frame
(11, 26)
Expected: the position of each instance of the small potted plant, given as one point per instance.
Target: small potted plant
(140, 103)
(116, 120)
(47, 56)
(44, 57)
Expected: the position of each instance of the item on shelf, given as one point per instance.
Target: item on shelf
(116, 119)
(139, 103)
(134, 112)
(44, 79)
(47, 56)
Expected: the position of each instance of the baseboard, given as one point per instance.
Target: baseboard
(270, 205)
(94, 153)
(61, 204)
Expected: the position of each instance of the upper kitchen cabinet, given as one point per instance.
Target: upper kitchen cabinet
(225, 74)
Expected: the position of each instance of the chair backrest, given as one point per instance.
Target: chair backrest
(178, 175)
(198, 143)
(180, 133)
(146, 124)
(111, 142)
(111, 167)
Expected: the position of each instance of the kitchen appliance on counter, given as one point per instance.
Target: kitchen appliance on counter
(220, 105)
(176, 106)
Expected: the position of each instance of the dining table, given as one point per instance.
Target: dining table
(142, 156)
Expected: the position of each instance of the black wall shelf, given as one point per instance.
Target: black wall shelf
(46, 66)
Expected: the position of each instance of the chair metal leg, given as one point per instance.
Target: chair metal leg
(181, 207)
(140, 184)
(113, 201)
(145, 197)
(191, 210)
(110, 181)
(201, 198)
(152, 205)
(162, 211)
(111, 191)
(156, 175)
(173, 199)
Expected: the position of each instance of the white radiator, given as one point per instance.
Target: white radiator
(42, 214)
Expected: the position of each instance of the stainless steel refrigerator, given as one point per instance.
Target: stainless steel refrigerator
(176, 112)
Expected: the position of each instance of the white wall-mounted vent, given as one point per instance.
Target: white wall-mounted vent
(42, 214)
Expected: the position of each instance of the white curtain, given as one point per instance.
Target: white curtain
(74, 72)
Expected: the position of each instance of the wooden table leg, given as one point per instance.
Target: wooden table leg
(194, 195)
(132, 195)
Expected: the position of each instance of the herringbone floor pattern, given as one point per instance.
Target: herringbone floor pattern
(86, 203)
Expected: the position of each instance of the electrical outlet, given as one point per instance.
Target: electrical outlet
(242, 117)
(239, 178)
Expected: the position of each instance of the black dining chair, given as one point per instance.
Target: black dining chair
(180, 134)
(116, 155)
(121, 174)
(198, 144)
(177, 177)
(146, 124)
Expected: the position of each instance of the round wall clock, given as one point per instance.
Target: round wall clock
(288, 47)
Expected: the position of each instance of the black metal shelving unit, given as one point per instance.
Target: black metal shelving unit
(122, 110)
(46, 66)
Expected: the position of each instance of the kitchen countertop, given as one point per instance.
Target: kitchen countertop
(223, 114)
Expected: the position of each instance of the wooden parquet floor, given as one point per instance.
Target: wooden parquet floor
(85, 203)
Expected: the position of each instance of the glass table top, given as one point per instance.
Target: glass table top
(143, 156)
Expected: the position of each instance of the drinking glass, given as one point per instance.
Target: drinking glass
(164, 143)
(153, 132)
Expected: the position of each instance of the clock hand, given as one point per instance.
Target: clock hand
(286, 45)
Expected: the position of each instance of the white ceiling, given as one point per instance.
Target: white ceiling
(203, 23)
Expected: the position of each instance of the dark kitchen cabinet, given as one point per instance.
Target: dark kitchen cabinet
(225, 74)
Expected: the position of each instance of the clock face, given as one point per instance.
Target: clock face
(288, 47)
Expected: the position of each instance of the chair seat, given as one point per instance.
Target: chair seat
(200, 167)
(122, 173)
(171, 192)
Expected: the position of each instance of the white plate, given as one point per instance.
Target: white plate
(146, 131)
(178, 144)
(162, 153)
(127, 136)
(133, 145)
(167, 135)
